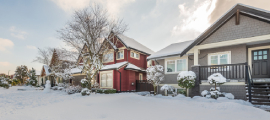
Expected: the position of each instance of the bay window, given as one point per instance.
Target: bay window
(106, 80)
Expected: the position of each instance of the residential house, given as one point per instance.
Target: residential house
(125, 63)
(240, 39)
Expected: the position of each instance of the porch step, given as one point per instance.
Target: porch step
(260, 103)
(260, 93)
(260, 100)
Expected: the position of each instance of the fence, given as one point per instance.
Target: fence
(143, 85)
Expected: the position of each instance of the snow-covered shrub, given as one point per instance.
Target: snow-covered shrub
(60, 88)
(155, 75)
(54, 88)
(61, 85)
(84, 83)
(143, 93)
(186, 79)
(4, 82)
(74, 89)
(32, 77)
(204, 93)
(216, 78)
(167, 88)
(106, 91)
(229, 95)
(47, 88)
(85, 91)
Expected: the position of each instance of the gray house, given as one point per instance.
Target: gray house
(239, 40)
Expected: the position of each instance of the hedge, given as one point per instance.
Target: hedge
(106, 91)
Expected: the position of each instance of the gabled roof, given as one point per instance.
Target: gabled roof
(250, 11)
(172, 50)
(133, 67)
(133, 44)
(46, 68)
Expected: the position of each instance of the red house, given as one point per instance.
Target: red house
(126, 63)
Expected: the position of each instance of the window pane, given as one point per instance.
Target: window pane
(255, 53)
(265, 52)
(103, 80)
(259, 57)
(171, 66)
(120, 55)
(214, 60)
(264, 56)
(224, 59)
(109, 80)
(255, 57)
(132, 54)
(181, 65)
(108, 57)
(260, 52)
(137, 55)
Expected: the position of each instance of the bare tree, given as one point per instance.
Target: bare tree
(44, 56)
(93, 28)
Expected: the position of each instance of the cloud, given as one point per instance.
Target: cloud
(17, 33)
(5, 43)
(113, 6)
(5, 64)
(31, 47)
(194, 19)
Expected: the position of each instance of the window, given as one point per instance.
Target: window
(219, 58)
(135, 55)
(176, 65)
(170, 66)
(106, 80)
(140, 76)
(108, 57)
(120, 54)
(149, 63)
(261, 54)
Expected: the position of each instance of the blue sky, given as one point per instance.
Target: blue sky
(26, 25)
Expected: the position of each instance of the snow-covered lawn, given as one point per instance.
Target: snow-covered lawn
(36, 105)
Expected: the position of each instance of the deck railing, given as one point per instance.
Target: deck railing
(229, 71)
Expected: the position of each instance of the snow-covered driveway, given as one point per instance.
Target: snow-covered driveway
(35, 105)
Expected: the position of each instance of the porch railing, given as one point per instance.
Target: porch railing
(143, 85)
(229, 71)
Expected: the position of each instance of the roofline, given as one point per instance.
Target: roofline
(134, 69)
(222, 20)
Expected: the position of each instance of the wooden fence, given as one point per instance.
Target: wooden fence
(143, 85)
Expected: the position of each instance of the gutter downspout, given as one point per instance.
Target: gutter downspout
(120, 79)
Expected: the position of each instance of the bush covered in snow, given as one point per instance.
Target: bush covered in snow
(85, 91)
(186, 79)
(106, 91)
(167, 88)
(155, 75)
(74, 89)
(84, 83)
(215, 78)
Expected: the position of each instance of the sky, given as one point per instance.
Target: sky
(26, 25)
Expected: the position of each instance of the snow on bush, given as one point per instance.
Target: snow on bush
(47, 88)
(143, 93)
(186, 79)
(155, 75)
(167, 87)
(84, 83)
(229, 95)
(85, 91)
(204, 93)
(216, 78)
(74, 89)
(4, 82)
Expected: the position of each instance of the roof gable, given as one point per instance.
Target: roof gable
(249, 11)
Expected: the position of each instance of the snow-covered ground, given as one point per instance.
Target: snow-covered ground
(36, 105)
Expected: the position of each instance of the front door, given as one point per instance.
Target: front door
(260, 63)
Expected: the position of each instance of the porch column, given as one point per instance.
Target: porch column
(195, 91)
(196, 57)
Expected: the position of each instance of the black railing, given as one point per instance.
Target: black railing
(143, 85)
(229, 71)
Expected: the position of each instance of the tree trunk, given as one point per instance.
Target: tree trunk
(155, 90)
(186, 92)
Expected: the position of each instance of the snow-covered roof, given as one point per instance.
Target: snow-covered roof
(134, 67)
(171, 50)
(114, 66)
(46, 68)
(133, 44)
(76, 70)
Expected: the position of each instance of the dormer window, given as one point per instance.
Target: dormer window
(120, 54)
(135, 55)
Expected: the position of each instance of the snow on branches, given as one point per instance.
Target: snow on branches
(186, 79)
(32, 77)
(216, 78)
(155, 75)
(167, 87)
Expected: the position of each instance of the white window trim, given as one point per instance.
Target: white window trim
(140, 74)
(111, 71)
(135, 53)
(111, 60)
(219, 53)
(175, 65)
(123, 55)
